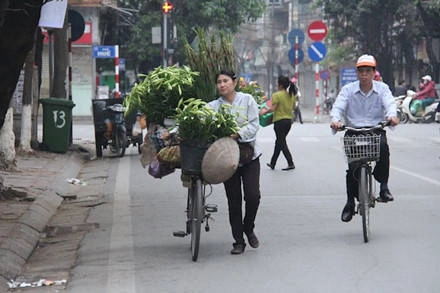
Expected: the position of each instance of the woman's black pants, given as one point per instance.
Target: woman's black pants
(282, 128)
(249, 175)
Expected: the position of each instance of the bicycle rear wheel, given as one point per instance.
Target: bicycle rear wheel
(196, 216)
(120, 142)
(364, 202)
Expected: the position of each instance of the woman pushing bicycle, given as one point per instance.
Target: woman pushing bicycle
(365, 103)
(248, 171)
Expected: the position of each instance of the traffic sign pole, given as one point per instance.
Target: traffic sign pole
(317, 31)
(116, 71)
(317, 89)
(296, 56)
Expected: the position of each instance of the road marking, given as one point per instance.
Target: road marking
(309, 139)
(121, 269)
(421, 177)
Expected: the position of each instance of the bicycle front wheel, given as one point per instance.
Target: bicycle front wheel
(196, 217)
(364, 202)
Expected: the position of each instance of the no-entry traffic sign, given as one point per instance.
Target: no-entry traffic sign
(317, 30)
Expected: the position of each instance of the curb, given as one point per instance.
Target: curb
(26, 233)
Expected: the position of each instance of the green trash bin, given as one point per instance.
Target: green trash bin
(57, 119)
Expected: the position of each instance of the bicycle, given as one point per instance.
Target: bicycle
(363, 148)
(197, 211)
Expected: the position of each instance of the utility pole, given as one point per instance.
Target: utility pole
(167, 7)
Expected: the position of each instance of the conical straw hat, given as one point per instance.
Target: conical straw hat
(220, 160)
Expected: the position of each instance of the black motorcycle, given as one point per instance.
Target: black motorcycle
(110, 130)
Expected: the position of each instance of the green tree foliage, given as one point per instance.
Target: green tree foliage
(387, 29)
(226, 15)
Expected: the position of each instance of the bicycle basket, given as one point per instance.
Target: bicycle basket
(362, 147)
(191, 156)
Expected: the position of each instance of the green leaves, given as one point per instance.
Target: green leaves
(158, 95)
(211, 54)
(198, 121)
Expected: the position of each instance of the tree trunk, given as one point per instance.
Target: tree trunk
(18, 21)
(26, 114)
(7, 141)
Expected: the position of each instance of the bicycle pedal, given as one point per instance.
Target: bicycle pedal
(179, 234)
(211, 208)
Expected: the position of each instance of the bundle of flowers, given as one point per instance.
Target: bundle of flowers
(252, 88)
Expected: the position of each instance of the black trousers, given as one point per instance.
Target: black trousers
(282, 128)
(381, 171)
(249, 176)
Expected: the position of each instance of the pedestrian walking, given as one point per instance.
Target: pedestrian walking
(248, 171)
(283, 103)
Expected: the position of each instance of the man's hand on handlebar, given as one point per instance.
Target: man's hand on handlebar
(336, 125)
(393, 120)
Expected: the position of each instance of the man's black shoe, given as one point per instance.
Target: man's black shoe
(385, 196)
(253, 240)
(238, 248)
(347, 212)
(271, 166)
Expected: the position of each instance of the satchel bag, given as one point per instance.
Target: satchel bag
(246, 152)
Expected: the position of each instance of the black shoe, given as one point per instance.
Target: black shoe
(253, 240)
(291, 167)
(347, 212)
(385, 196)
(270, 166)
(238, 248)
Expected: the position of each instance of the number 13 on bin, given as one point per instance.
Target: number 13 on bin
(59, 118)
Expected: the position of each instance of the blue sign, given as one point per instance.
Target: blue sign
(246, 76)
(104, 52)
(296, 33)
(122, 64)
(348, 75)
(317, 51)
(291, 55)
(325, 74)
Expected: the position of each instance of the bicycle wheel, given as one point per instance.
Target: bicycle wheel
(196, 217)
(364, 202)
(120, 142)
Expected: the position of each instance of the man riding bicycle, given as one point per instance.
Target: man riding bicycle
(365, 103)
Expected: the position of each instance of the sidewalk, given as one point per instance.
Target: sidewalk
(32, 194)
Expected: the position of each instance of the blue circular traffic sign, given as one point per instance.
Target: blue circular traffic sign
(317, 51)
(291, 55)
(296, 33)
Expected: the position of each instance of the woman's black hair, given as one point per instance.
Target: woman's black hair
(229, 73)
(285, 83)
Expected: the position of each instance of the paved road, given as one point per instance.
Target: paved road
(304, 245)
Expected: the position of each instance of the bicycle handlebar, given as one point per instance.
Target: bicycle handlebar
(381, 125)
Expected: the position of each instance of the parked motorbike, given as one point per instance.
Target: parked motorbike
(405, 114)
(328, 104)
(116, 133)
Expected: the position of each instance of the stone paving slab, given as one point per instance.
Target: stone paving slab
(34, 193)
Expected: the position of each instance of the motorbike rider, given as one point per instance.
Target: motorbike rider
(297, 110)
(426, 93)
(377, 76)
(365, 103)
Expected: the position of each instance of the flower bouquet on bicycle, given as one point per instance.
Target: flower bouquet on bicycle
(207, 156)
